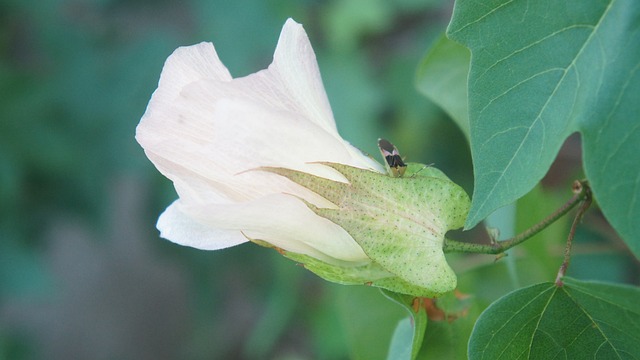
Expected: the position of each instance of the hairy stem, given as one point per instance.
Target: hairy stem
(582, 193)
(584, 205)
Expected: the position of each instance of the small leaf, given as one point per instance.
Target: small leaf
(402, 341)
(580, 320)
(408, 336)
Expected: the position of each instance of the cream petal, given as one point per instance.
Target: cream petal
(191, 63)
(206, 131)
(182, 229)
(243, 136)
(296, 72)
(291, 84)
(192, 186)
(283, 221)
(185, 65)
(292, 81)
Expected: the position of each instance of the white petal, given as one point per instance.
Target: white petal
(185, 65)
(204, 130)
(242, 136)
(283, 221)
(182, 229)
(296, 70)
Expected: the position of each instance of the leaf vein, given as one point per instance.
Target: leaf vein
(544, 308)
(596, 325)
(493, 335)
(610, 117)
(544, 107)
(481, 17)
(530, 45)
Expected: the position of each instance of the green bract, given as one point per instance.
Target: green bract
(400, 223)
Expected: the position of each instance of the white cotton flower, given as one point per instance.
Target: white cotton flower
(208, 132)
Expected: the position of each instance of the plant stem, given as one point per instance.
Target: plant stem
(567, 250)
(581, 191)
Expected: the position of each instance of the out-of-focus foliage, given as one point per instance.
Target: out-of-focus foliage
(83, 273)
(446, 66)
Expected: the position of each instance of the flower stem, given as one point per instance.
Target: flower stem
(582, 193)
(586, 202)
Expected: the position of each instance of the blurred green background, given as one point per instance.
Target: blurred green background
(83, 273)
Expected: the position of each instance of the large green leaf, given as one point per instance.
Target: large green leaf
(580, 320)
(540, 71)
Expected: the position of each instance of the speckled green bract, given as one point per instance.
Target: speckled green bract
(400, 223)
(369, 273)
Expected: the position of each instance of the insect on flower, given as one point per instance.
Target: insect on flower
(395, 166)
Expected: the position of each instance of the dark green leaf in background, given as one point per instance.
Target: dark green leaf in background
(541, 71)
(580, 320)
(442, 76)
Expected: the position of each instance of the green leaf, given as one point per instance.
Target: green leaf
(442, 77)
(408, 336)
(580, 320)
(539, 72)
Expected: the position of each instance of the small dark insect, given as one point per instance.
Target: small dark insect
(395, 166)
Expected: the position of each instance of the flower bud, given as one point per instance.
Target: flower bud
(400, 223)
